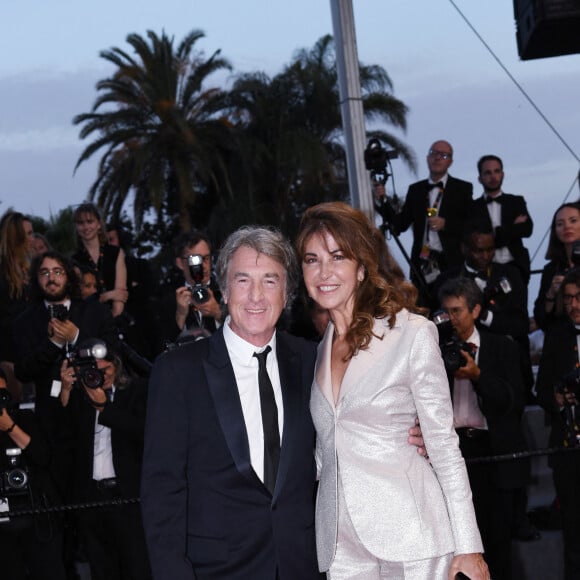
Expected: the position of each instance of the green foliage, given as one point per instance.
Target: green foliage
(186, 155)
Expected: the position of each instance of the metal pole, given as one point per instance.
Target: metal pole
(351, 104)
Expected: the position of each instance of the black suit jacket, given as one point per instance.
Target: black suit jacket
(455, 204)
(559, 357)
(125, 416)
(207, 515)
(501, 397)
(37, 359)
(509, 234)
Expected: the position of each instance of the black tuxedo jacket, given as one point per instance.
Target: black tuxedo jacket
(125, 416)
(559, 357)
(509, 234)
(207, 515)
(501, 397)
(455, 204)
(510, 311)
(37, 359)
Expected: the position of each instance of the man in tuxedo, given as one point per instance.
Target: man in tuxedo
(182, 317)
(437, 207)
(229, 473)
(56, 320)
(506, 213)
(488, 399)
(557, 387)
(504, 309)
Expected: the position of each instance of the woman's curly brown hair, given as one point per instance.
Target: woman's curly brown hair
(384, 290)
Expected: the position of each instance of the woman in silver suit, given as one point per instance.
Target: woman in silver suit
(382, 510)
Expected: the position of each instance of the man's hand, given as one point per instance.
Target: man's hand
(436, 223)
(97, 397)
(62, 331)
(522, 218)
(211, 308)
(468, 371)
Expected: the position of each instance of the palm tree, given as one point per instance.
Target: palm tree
(290, 132)
(162, 132)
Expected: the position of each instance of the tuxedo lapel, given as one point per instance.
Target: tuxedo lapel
(290, 369)
(222, 386)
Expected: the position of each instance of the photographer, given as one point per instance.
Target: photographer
(504, 308)
(437, 208)
(56, 319)
(187, 314)
(488, 398)
(30, 546)
(558, 393)
(105, 411)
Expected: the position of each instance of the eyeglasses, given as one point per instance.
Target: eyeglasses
(569, 298)
(56, 272)
(442, 154)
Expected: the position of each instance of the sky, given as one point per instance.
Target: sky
(455, 90)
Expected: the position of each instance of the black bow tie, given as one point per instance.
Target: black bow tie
(438, 185)
(489, 199)
(473, 275)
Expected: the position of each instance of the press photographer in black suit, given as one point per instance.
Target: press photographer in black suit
(557, 387)
(107, 425)
(437, 208)
(30, 546)
(182, 316)
(54, 322)
(488, 398)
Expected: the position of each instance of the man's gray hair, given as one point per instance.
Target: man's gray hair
(267, 241)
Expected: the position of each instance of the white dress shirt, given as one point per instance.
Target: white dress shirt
(103, 451)
(466, 411)
(245, 366)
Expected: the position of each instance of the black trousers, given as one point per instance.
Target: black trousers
(566, 473)
(494, 507)
(114, 539)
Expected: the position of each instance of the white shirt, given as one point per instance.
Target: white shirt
(502, 255)
(466, 411)
(245, 366)
(102, 450)
(432, 236)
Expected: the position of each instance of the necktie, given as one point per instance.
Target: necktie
(269, 421)
(489, 199)
(438, 185)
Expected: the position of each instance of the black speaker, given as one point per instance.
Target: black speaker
(547, 27)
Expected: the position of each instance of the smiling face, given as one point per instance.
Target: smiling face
(88, 226)
(567, 225)
(52, 280)
(255, 295)
(330, 277)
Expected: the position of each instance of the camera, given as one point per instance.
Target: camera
(84, 362)
(199, 290)
(58, 311)
(14, 475)
(376, 158)
(451, 345)
(5, 399)
(570, 383)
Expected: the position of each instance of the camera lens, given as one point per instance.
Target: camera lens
(17, 478)
(92, 378)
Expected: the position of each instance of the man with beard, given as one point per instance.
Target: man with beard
(506, 213)
(55, 321)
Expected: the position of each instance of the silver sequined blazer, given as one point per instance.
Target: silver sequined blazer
(402, 508)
